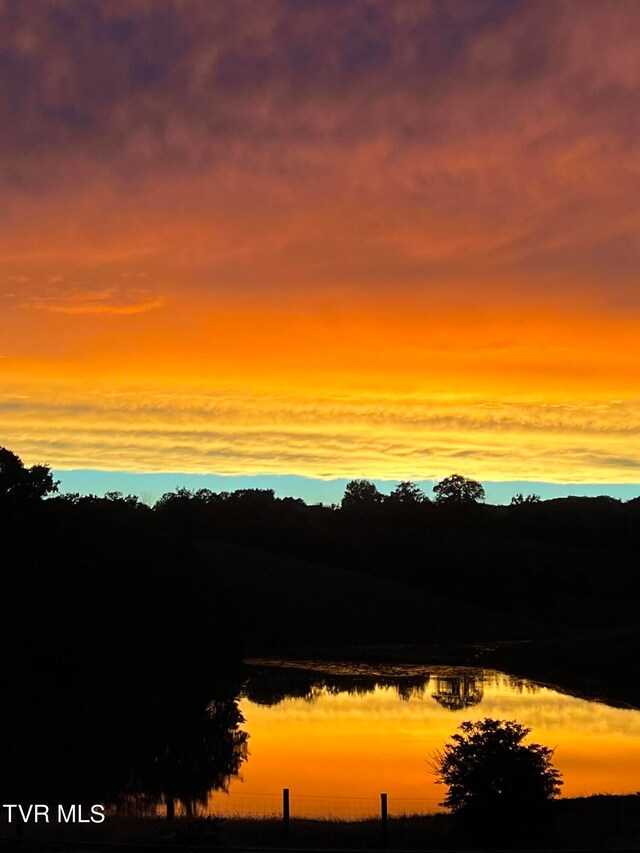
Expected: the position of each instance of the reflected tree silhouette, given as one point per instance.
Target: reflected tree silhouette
(198, 756)
(522, 685)
(453, 690)
(272, 685)
(458, 691)
(131, 751)
(412, 688)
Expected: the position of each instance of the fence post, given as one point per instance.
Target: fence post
(384, 816)
(285, 813)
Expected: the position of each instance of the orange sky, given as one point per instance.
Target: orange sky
(385, 240)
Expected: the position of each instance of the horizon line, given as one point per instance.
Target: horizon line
(151, 485)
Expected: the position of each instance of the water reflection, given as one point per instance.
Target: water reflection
(458, 691)
(453, 688)
(192, 761)
(342, 732)
(139, 752)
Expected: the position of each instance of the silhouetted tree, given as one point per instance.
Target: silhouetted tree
(458, 489)
(361, 493)
(17, 482)
(488, 769)
(407, 492)
(130, 501)
(200, 754)
(519, 499)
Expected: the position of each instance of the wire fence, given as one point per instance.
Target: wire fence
(272, 805)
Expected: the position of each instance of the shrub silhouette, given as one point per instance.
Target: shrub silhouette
(489, 770)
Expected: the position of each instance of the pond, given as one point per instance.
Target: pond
(338, 736)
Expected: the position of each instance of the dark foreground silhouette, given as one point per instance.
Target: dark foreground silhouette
(124, 626)
(119, 657)
(589, 823)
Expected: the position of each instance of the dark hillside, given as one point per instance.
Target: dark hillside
(294, 603)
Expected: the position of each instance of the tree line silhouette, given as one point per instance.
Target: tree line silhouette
(568, 561)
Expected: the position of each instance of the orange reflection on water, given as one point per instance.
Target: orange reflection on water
(349, 745)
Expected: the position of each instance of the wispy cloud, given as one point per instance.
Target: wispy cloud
(59, 297)
(247, 433)
(98, 307)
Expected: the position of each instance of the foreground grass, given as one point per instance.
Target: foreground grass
(589, 823)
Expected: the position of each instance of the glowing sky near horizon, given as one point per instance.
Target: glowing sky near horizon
(385, 239)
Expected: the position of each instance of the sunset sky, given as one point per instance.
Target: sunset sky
(318, 238)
